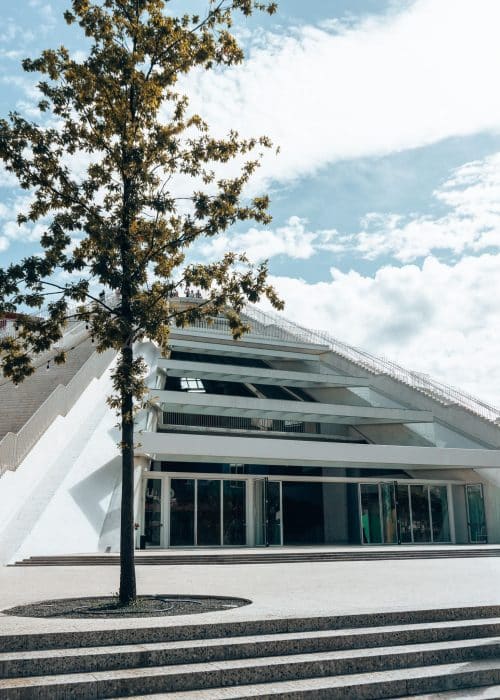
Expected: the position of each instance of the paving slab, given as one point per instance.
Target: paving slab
(276, 590)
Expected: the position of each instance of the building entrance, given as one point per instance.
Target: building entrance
(195, 512)
(476, 519)
(212, 510)
(393, 513)
(268, 512)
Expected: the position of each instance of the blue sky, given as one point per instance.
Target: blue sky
(386, 192)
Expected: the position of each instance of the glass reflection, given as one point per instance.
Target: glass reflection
(404, 520)
(152, 513)
(389, 520)
(439, 513)
(273, 513)
(234, 512)
(208, 525)
(370, 514)
(475, 513)
(420, 513)
(182, 512)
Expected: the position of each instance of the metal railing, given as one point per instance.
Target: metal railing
(275, 327)
(73, 328)
(443, 393)
(221, 325)
(236, 423)
(271, 325)
(15, 447)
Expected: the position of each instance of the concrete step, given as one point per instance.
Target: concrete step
(322, 688)
(90, 659)
(489, 692)
(459, 623)
(266, 557)
(279, 677)
(381, 655)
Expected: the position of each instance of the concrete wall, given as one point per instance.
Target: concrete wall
(451, 415)
(57, 500)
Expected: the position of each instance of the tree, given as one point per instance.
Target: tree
(121, 223)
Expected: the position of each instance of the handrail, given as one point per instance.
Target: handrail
(14, 447)
(10, 329)
(272, 325)
(443, 393)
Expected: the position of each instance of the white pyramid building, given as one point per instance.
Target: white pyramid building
(287, 437)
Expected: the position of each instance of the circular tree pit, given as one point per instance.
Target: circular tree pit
(110, 607)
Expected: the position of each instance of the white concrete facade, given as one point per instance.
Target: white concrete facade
(267, 440)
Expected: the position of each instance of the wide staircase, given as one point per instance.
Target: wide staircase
(266, 556)
(446, 653)
(20, 403)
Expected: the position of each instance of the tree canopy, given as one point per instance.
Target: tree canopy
(106, 166)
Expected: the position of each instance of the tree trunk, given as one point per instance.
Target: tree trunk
(127, 533)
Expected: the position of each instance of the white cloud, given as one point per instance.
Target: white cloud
(292, 240)
(441, 319)
(472, 194)
(386, 84)
(472, 225)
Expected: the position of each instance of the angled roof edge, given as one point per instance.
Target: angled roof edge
(443, 393)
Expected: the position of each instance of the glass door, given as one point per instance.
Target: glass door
(403, 514)
(411, 513)
(267, 512)
(371, 516)
(274, 511)
(476, 518)
(208, 512)
(389, 513)
(182, 512)
(420, 513)
(234, 508)
(153, 520)
(438, 498)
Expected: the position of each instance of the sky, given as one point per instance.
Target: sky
(385, 194)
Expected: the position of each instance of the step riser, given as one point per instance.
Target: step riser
(143, 684)
(144, 635)
(257, 649)
(185, 561)
(378, 691)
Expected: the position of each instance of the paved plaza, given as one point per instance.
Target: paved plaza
(275, 589)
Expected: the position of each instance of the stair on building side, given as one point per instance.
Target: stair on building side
(385, 655)
(266, 556)
(20, 403)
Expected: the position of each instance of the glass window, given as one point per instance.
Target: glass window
(182, 512)
(273, 512)
(192, 385)
(403, 509)
(439, 513)
(208, 525)
(420, 513)
(390, 529)
(370, 514)
(475, 513)
(152, 513)
(234, 507)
